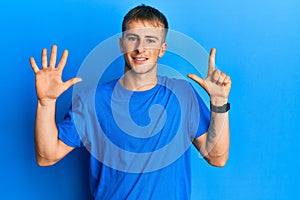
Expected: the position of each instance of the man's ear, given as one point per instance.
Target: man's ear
(163, 49)
(121, 44)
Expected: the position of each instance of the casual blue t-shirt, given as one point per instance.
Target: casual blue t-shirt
(139, 141)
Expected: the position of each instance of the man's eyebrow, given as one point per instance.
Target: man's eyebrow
(152, 36)
(131, 34)
(147, 36)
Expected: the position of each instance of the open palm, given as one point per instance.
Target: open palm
(48, 80)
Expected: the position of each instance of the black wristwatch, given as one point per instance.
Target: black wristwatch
(220, 109)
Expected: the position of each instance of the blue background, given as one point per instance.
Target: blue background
(257, 45)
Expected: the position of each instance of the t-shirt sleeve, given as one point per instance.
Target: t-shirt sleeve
(200, 116)
(67, 131)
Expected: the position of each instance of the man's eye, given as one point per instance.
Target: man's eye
(151, 41)
(133, 39)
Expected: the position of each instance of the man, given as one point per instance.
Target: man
(156, 177)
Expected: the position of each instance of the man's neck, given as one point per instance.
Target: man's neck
(139, 82)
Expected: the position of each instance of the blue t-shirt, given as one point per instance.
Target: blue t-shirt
(139, 141)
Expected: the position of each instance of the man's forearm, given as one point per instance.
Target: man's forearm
(46, 133)
(217, 142)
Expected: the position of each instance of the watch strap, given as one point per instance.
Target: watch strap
(220, 109)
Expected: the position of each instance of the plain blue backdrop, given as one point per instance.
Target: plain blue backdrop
(257, 45)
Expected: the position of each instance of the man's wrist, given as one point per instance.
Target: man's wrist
(219, 104)
(220, 109)
(218, 101)
(46, 102)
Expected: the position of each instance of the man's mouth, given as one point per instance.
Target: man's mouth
(140, 58)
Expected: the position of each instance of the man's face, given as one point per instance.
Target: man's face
(142, 44)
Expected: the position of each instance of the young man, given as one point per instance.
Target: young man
(181, 114)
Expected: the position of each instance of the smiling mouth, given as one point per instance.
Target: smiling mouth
(140, 58)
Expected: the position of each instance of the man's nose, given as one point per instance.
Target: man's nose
(140, 48)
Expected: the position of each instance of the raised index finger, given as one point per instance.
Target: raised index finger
(63, 60)
(211, 62)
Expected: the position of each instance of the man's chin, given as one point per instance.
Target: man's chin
(140, 69)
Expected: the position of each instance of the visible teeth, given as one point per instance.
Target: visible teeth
(140, 59)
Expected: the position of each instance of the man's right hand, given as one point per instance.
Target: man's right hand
(48, 80)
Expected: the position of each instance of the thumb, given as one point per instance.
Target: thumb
(71, 82)
(199, 80)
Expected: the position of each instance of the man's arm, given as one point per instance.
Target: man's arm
(49, 86)
(214, 144)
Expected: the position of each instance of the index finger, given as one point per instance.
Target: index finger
(63, 60)
(211, 62)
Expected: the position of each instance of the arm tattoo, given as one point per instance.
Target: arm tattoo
(211, 130)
